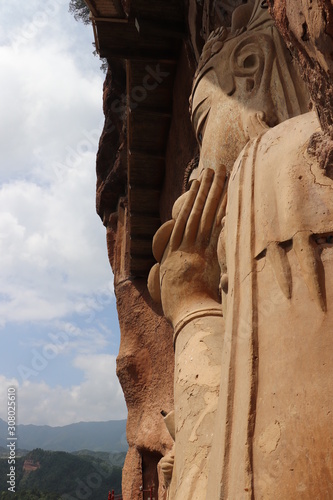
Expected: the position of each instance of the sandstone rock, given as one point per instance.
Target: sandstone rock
(252, 391)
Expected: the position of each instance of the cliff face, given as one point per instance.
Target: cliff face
(307, 28)
(111, 156)
(138, 165)
(308, 33)
(145, 362)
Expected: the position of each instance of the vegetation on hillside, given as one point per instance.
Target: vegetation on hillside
(60, 475)
(117, 459)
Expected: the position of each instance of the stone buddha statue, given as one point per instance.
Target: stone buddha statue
(245, 277)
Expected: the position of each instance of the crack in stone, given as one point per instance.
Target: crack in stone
(315, 179)
(255, 270)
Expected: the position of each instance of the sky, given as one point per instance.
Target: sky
(59, 334)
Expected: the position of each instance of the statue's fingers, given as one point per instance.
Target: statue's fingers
(220, 215)
(218, 223)
(161, 239)
(211, 215)
(192, 225)
(182, 219)
(178, 204)
(221, 210)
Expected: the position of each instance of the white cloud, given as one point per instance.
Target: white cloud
(64, 338)
(53, 246)
(47, 106)
(98, 397)
(51, 241)
(54, 273)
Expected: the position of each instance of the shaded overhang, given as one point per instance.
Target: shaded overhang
(149, 38)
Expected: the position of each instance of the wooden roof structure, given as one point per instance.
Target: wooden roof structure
(149, 39)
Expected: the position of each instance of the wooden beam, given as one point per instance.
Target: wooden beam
(141, 247)
(143, 225)
(140, 266)
(145, 170)
(121, 39)
(167, 29)
(142, 200)
(147, 134)
(168, 10)
(111, 19)
(105, 8)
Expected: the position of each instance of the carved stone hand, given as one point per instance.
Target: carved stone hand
(189, 273)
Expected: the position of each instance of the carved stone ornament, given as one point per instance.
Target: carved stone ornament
(245, 277)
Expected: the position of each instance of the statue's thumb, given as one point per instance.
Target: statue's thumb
(154, 283)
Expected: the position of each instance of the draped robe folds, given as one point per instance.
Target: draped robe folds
(274, 427)
(273, 431)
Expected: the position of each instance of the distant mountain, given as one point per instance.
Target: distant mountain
(96, 436)
(61, 475)
(116, 459)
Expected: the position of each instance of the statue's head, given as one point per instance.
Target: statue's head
(244, 83)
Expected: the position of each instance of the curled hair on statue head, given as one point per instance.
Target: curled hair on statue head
(258, 19)
(213, 46)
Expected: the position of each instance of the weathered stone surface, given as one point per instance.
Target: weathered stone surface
(132, 474)
(146, 353)
(307, 28)
(145, 359)
(182, 146)
(111, 156)
(252, 389)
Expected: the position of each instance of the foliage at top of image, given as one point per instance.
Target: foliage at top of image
(80, 11)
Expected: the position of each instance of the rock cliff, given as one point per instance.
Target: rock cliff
(145, 153)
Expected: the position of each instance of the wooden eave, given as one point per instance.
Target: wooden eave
(149, 39)
(105, 8)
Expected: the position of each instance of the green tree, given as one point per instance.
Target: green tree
(80, 11)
